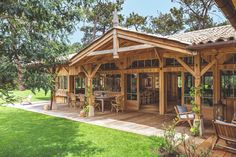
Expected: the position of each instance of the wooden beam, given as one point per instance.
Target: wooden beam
(159, 56)
(188, 68)
(84, 70)
(122, 49)
(91, 49)
(115, 44)
(207, 67)
(95, 70)
(176, 49)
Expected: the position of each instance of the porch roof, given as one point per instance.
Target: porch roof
(139, 39)
(183, 43)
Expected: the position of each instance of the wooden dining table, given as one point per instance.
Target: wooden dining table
(102, 99)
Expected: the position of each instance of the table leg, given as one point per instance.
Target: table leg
(102, 105)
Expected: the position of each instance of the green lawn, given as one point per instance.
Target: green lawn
(38, 96)
(27, 134)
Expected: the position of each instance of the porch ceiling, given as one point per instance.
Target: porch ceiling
(119, 42)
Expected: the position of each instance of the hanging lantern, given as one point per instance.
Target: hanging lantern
(220, 111)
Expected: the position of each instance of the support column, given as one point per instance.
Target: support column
(90, 96)
(162, 100)
(197, 83)
(90, 73)
(216, 83)
(183, 87)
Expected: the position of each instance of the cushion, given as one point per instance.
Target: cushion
(182, 109)
(184, 116)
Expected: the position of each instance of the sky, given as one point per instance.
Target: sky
(145, 8)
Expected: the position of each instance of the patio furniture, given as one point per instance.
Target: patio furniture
(227, 132)
(118, 103)
(102, 99)
(184, 115)
(81, 102)
(72, 100)
(234, 119)
(96, 104)
(27, 100)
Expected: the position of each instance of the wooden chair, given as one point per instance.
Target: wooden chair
(118, 103)
(96, 104)
(72, 100)
(183, 115)
(234, 118)
(227, 132)
(81, 102)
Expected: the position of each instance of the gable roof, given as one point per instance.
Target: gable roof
(210, 35)
(151, 39)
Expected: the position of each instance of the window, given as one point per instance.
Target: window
(228, 84)
(107, 83)
(172, 62)
(132, 87)
(109, 66)
(79, 85)
(207, 97)
(144, 63)
(63, 82)
(188, 83)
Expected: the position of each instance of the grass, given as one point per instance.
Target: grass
(30, 134)
(38, 96)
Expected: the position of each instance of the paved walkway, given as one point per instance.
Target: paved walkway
(133, 122)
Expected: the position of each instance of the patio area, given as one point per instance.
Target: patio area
(138, 122)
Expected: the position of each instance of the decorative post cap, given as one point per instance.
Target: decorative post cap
(115, 18)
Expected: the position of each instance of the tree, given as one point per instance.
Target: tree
(98, 18)
(36, 31)
(198, 13)
(168, 23)
(137, 21)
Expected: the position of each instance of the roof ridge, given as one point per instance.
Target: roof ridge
(200, 30)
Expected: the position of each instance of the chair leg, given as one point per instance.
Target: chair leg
(190, 124)
(176, 123)
(214, 143)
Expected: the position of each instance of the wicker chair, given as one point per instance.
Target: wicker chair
(72, 100)
(183, 115)
(81, 102)
(227, 132)
(118, 103)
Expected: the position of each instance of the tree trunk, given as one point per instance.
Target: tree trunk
(52, 99)
(19, 67)
(94, 28)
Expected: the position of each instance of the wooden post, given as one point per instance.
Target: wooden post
(197, 83)
(90, 73)
(216, 83)
(183, 87)
(162, 101)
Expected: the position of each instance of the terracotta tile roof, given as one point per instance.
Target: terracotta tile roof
(210, 35)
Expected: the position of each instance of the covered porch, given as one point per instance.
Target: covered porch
(155, 73)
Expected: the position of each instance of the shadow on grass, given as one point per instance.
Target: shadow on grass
(42, 98)
(25, 134)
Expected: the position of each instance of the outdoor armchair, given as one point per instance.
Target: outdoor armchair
(183, 115)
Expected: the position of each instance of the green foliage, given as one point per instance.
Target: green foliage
(170, 140)
(30, 134)
(198, 13)
(168, 23)
(99, 15)
(137, 21)
(36, 33)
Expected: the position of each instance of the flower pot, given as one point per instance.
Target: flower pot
(82, 113)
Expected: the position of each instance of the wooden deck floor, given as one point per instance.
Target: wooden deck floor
(217, 152)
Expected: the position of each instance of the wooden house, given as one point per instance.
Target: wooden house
(153, 72)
